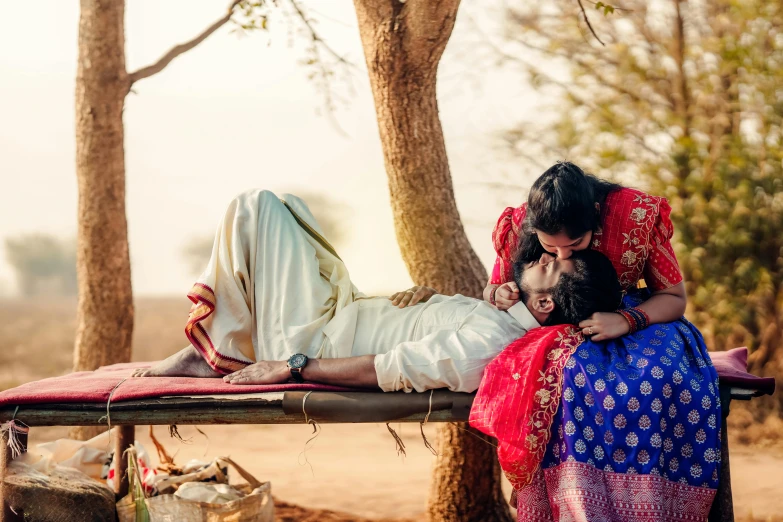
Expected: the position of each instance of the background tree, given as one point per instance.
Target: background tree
(684, 100)
(403, 43)
(105, 308)
(44, 265)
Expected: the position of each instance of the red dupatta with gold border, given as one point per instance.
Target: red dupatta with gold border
(519, 396)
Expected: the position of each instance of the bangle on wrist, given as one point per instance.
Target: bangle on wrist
(492, 295)
(631, 321)
(642, 319)
(636, 317)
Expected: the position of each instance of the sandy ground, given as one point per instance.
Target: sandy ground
(757, 482)
(356, 469)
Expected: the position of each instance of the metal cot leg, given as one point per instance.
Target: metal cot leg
(723, 506)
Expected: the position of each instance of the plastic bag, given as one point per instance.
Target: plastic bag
(92, 457)
(211, 493)
(148, 474)
(256, 506)
(87, 456)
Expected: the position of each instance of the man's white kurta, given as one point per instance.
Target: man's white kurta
(279, 291)
(445, 342)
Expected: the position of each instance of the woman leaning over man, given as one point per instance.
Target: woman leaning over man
(635, 434)
(620, 418)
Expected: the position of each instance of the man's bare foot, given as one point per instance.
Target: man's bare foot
(187, 362)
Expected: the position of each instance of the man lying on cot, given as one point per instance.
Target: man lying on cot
(276, 303)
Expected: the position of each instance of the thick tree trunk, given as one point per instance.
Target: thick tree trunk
(105, 310)
(403, 43)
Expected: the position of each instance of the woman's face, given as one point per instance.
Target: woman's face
(561, 245)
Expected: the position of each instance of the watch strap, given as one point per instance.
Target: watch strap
(296, 375)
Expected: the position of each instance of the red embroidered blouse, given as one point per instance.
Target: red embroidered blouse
(635, 235)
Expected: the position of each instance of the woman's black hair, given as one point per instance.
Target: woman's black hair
(562, 199)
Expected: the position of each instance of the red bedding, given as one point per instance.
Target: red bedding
(98, 385)
(732, 367)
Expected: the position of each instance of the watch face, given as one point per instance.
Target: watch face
(297, 361)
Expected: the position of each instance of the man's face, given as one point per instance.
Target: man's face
(541, 275)
(536, 282)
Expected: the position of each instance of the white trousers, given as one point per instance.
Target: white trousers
(270, 287)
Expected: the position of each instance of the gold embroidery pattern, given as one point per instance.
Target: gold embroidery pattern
(585, 492)
(546, 402)
(597, 238)
(665, 253)
(637, 241)
(660, 277)
(638, 214)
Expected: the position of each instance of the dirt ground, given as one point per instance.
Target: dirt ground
(355, 468)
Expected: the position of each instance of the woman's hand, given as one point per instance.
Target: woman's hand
(506, 295)
(417, 294)
(603, 326)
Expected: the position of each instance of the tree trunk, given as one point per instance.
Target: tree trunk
(403, 43)
(105, 309)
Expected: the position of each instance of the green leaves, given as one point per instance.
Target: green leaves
(607, 9)
(696, 116)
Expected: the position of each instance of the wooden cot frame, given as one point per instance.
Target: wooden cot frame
(262, 408)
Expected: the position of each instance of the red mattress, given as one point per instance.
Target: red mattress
(732, 367)
(98, 385)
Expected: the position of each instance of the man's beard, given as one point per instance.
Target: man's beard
(524, 289)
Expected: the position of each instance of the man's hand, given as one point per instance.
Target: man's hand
(262, 372)
(417, 294)
(506, 295)
(603, 326)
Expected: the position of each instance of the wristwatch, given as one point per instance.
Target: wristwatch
(295, 364)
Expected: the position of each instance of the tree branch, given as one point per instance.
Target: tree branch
(569, 47)
(166, 59)
(317, 40)
(555, 150)
(590, 69)
(587, 21)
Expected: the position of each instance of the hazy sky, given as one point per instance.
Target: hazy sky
(238, 112)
